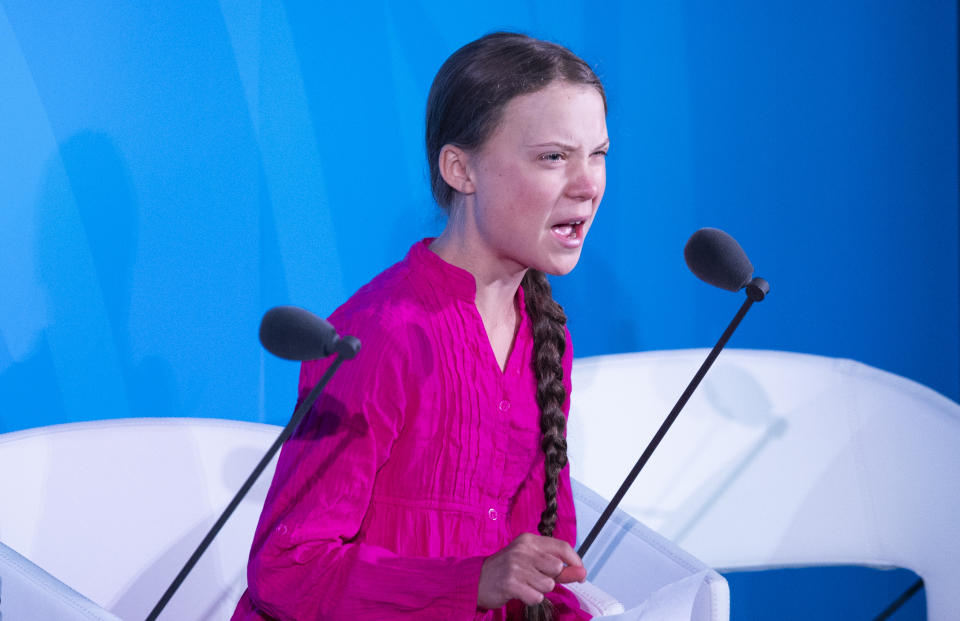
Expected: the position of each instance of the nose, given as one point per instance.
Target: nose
(586, 180)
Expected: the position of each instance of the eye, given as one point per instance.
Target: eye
(601, 153)
(553, 157)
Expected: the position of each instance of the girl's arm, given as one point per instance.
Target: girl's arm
(305, 562)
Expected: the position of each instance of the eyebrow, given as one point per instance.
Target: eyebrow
(567, 147)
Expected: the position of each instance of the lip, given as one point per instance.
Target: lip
(573, 239)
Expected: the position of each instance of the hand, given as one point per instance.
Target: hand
(526, 569)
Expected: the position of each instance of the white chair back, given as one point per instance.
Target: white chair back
(114, 509)
(779, 459)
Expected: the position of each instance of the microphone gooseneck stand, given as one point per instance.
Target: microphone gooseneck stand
(756, 290)
(347, 348)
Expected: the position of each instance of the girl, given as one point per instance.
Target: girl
(430, 480)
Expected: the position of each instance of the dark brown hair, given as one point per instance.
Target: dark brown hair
(465, 105)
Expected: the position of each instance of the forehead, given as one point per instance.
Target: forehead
(561, 111)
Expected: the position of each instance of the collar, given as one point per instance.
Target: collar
(459, 282)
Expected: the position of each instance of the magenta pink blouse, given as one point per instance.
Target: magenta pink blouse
(420, 459)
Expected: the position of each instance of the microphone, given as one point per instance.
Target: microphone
(293, 333)
(716, 258)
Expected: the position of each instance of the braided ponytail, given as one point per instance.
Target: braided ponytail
(549, 341)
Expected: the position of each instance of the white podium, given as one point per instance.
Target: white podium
(28, 592)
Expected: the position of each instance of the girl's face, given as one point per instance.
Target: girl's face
(539, 178)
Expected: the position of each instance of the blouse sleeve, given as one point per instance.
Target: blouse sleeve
(306, 562)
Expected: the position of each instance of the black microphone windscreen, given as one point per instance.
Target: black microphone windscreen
(716, 258)
(293, 333)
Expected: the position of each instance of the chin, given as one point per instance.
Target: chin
(561, 267)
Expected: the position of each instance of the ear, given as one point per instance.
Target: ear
(455, 169)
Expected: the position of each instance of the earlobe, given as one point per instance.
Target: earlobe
(454, 169)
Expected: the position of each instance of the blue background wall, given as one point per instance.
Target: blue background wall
(170, 171)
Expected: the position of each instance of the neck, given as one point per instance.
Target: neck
(497, 282)
(497, 278)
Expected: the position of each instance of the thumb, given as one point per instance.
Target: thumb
(571, 573)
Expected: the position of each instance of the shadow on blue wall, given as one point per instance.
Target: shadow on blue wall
(87, 212)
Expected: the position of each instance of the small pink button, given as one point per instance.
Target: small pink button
(504, 405)
(492, 514)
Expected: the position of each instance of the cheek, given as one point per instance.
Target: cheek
(539, 191)
(515, 199)
(524, 195)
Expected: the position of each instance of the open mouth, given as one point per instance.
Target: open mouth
(572, 229)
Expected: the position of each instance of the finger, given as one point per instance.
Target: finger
(571, 573)
(547, 564)
(541, 582)
(561, 549)
(528, 595)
